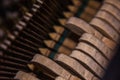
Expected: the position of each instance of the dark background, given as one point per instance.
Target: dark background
(113, 72)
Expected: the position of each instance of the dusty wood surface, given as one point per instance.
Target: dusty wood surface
(94, 53)
(114, 23)
(88, 61)
(75, 66)
(105, 29)
(25, 76)
(53, 66)
(113, 10)
(98, 44)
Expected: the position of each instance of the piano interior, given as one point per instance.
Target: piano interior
(59, 39)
